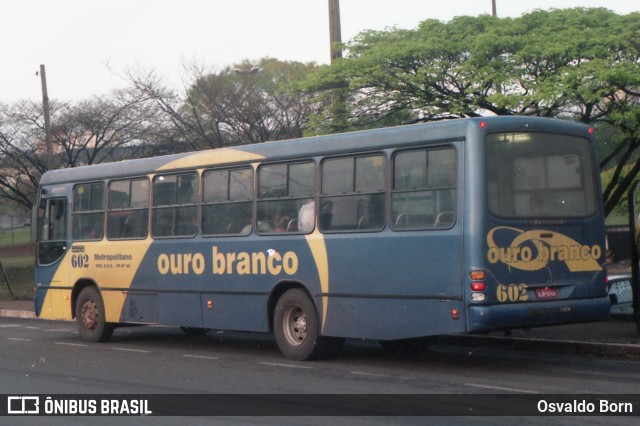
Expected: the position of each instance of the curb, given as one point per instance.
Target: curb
(11, 313)
(620, 350)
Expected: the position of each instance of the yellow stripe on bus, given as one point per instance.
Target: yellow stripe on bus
(110, 264)
(319, 252)
(211, 158)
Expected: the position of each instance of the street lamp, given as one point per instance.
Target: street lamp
(252, 70)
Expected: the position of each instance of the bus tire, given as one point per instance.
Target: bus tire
(90, 316)
(297, 328)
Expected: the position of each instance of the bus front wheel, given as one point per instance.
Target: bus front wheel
(90, 317)
(297, 328)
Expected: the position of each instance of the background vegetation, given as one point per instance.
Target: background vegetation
(574, 64)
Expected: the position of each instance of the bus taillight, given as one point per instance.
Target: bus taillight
(477, 275)
(478, 286)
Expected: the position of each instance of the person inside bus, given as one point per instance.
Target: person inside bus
(263, 224)
(536, 203)
(306, 217)
(280, 221)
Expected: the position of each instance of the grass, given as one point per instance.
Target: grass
(18, 264)
(21, 280)
(21, 235)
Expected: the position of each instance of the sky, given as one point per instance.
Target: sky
(87, 46)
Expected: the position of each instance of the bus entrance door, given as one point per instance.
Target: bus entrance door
(53, 271)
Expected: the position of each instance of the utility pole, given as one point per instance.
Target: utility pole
(493, 8)
(335, 32)
(338, 99)
(47, 121)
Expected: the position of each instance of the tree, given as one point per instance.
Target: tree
(245, 103)
(121, 125)
(22, 160)
(579, 64)
(102, 129)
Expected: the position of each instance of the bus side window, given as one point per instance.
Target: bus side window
(175, 210)
(227, 201)
(128, 209)
(53, 231)
(424, 189)
(286, 198)
(88, 211)
(353, 194)
(57, 220)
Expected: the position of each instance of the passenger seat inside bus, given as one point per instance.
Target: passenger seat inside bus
(444, 220)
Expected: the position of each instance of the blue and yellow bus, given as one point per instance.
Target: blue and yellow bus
(397, 234)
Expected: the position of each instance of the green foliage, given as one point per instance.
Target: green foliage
(578, 64)
(544, 63)
(620, 210)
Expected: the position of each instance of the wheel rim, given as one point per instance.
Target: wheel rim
(89, 314)
(295, 325)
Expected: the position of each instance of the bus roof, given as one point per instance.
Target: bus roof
(407, 135)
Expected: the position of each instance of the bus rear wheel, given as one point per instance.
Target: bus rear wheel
(90, 317)
(297, 328)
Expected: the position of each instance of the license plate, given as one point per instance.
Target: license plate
(546, 293)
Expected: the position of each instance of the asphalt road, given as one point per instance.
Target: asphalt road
(47, 357)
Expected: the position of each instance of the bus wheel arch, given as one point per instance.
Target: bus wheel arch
(276, 293)
(90, 317)
(297, 326)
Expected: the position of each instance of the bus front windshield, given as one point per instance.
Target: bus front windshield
(534, 175)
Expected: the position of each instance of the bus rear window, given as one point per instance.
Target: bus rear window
(533, 175)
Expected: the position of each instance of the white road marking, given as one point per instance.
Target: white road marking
(19, 339)
(71, 344)
(199, 356)
(475, 385)
(9, 325)
(131, 350)
(384, 376)
(273, 364)
(362, 373)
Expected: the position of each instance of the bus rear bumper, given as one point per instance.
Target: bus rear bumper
(537, 314)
